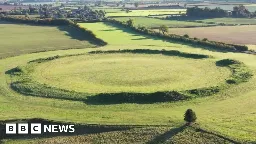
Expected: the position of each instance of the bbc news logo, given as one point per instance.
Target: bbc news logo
(37, 128)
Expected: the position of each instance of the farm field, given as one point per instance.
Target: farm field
(150, 135)
(227, 6)
(229, 34)
(230, 113)
(236, 21)
(30, 39)
(153, 22)
(147, 12)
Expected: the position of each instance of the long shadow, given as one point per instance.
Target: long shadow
(78, 35)
(167, 135)
(110, 30)
(80, 129)
(128, 30)
(140, 38)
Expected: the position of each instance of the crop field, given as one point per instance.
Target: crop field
(30, 39)
(153, 22)
(229, 34)
(94, 86)
(235, 21)
(147, 12)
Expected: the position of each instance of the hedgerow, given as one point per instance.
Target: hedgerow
(184, 39)
(54, 22)
(25, 85)
(149, 51)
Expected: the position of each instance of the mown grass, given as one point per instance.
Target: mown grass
(17, 39)
(110, 73)
(230, 113)
(153, 22)
(146, 12)
(236, 21)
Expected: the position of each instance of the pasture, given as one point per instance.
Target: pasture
(229, 34)
(153, 22)
(234, 21)
(30, 39)
(230, 113)
(147, 12)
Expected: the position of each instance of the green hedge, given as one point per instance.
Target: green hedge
(212, 44)
(54, 22)
(149, 51)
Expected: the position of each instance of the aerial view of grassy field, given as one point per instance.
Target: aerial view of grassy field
(120, 84)
(229, 34)
(214, 113)
(33, 39)
(153, 22)
(236, 21)
(146, 12)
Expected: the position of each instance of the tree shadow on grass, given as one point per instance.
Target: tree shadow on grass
(167, 135)
(80, 129)
(77, 34)
(134, 33)
(110, 30)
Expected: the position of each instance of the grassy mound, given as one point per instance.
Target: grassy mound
(25, 85)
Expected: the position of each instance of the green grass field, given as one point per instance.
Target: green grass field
(231, 20)
(153, 22)
(150, 135)
(146, 12)
(129, 73)
(230, 113)
(30, 39)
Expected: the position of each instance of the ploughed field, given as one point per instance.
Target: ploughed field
(229, 34)
(134, 80)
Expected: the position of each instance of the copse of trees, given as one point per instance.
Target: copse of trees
(206, 12)
(184, 39)
(238, 11)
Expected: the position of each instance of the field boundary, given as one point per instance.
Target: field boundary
(219, 46)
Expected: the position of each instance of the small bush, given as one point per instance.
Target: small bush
(205, 39)
(186, 35)
(190, 116)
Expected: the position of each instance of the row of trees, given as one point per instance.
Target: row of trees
(206, 12)
(238, 11)
(53, 22)
(178, 38)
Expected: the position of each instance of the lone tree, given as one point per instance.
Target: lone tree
(190, 116)
(130, 23)
(136, 4)
(163, 29)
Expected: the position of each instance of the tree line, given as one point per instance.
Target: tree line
(238, 11)
(184, 39)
